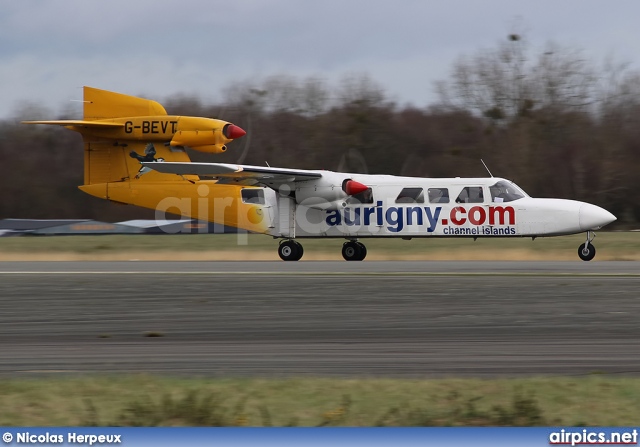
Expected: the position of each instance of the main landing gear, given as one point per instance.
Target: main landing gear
(290, 250)
(587, 251)
(354, 251)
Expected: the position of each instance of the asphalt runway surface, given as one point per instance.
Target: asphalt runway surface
(344, 319)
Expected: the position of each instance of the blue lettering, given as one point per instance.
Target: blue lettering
(393, 217)
(433, 218)
(334, 218)
(367, 215)
(397, 220)
(411, 211)
(347, 218)
(379, 213)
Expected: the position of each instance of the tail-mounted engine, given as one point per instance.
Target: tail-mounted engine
(212, 140)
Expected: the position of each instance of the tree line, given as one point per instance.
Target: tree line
(553, 121)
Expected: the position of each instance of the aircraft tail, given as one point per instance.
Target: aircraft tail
(107, 161)
(102, 104)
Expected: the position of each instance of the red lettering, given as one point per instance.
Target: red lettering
(454, 216)
(477, 215)
(501, 211)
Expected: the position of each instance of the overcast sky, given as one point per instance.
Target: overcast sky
(49, 49)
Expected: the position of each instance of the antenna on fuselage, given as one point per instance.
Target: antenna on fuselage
(485, 166)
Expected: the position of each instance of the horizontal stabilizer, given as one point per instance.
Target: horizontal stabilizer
(243, 174)
(77, 123)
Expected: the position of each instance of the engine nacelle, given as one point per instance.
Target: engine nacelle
(322, 197)
(328, 193)
(200, 138)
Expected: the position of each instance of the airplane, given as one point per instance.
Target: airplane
(135, 154)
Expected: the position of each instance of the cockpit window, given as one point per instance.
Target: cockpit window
(504, 191)
(411, 195)
(471, 194)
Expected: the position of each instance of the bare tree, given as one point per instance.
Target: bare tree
(507, 82)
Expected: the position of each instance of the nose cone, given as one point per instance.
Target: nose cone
(593, 217)
(232, 132)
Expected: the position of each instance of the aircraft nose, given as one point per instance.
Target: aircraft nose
(593, 217)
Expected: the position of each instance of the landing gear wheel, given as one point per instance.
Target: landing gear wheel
(353, 251)
(586, 251)
(290, 251)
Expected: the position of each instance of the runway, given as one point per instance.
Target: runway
(383, 319)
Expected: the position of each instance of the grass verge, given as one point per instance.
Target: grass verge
(142, 400)
(619, 246)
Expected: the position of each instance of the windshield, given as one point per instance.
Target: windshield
(504, 191)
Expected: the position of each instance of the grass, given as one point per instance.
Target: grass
(143, 400)
(610, 246)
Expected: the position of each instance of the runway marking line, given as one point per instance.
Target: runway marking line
(406, 274)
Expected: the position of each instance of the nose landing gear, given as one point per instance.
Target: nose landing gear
(587, 251)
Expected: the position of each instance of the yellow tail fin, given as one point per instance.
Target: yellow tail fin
(101, 104)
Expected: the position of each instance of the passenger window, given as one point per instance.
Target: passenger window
(411, 195)
(253, 195)
(362, 197)
(471, 194)
(438, 195)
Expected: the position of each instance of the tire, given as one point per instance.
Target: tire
(586, 252)
(290, 251)
(363, 253)
(300, 250)
(352, 251)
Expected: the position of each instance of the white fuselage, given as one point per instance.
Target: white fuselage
(424, 207)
